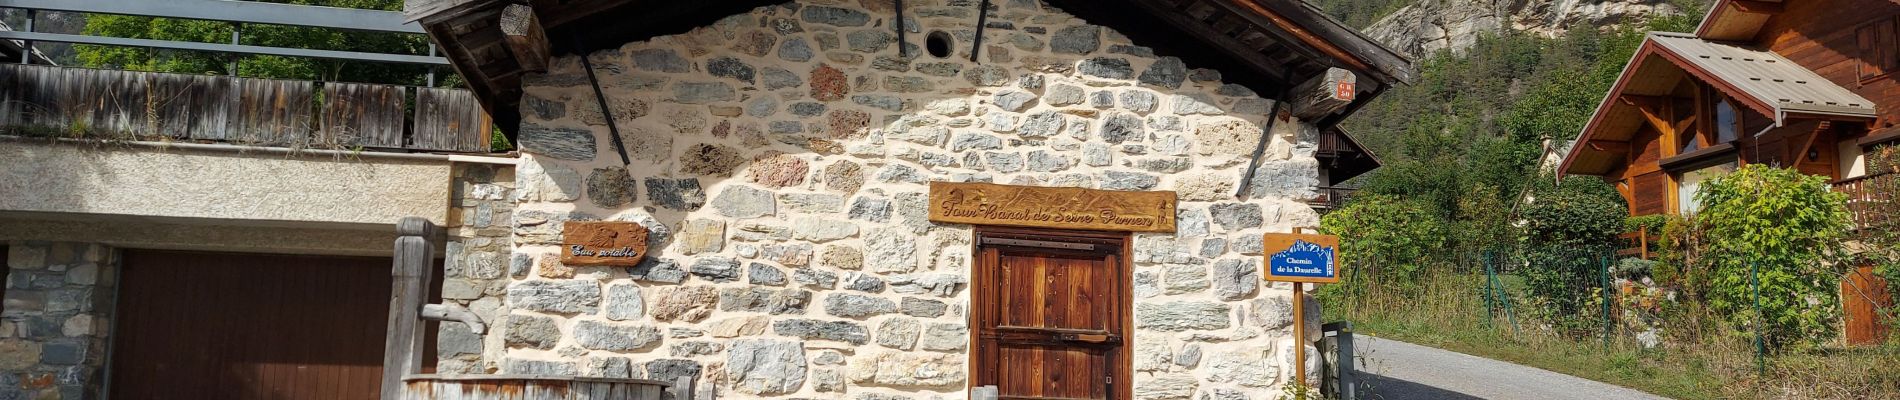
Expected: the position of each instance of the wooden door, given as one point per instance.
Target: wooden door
(249, 326)
(1863, 294)
(1049, 314)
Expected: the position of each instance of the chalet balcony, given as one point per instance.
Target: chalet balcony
(1870, 199)
(1329, 197)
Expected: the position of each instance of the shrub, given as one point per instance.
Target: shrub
(1777, 227)
(1680, 237)
(1387, 241)
(1570, 230)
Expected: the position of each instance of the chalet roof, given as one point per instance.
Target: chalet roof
(1763, 81)
(1766, 76)
(1345, 157)
(1269, 46)
(1734, 20)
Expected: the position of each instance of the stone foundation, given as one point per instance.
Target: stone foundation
(55, 320)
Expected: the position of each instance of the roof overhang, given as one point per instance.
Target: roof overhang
(1737, 20)
(1762, 81)
(1269, 46)
(1352, 161)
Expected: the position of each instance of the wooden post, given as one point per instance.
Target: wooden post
(411, 272)
(1299, 328)
(524, 36)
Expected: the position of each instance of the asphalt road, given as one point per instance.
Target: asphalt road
(1397, 370)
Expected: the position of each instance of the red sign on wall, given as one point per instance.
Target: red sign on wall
(1345, 91)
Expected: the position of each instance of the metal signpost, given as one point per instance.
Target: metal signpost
(1301, 258)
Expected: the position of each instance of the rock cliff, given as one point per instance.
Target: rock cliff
(1429, 26)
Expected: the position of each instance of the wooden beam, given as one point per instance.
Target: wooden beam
(1233, 47)
(1640, 100)
(1609, 145)
(1324, 94)
(525, 38)
(1308, 26)
(1757, 7)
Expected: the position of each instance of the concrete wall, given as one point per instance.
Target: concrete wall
(114, 179)
(781, 159)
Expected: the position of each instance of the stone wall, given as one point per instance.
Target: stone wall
(476, 263)
(781, 159)
(54, 320)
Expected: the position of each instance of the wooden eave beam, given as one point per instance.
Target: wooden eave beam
(1280, 26)
(1757, 7)
(1324, 94)
(1234, 47)
(1610, 146)
(521, 30)
(1337, 41)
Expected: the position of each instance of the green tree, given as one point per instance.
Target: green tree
(141, 59)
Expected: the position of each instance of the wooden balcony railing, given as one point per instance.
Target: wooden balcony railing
(1636, 244)
(1870, 199)
(1330, 197)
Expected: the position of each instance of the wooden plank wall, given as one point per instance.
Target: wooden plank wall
(360, 114)
(109, 104)
(449, 120)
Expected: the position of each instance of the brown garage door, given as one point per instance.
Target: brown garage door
(249, 326)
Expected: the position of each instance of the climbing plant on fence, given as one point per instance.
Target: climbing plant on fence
(1774, 228)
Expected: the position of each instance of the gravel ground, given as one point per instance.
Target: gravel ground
(1395, 370)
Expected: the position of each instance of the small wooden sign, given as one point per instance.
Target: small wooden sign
(1050, 207)
(1295, 257)
(603, 243)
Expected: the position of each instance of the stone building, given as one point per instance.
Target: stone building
(785, 158)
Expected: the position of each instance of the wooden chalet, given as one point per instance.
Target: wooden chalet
(1805, 84)
(1802, 84)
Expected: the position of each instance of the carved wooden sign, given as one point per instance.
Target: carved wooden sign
(612, 243)
(1050, 207)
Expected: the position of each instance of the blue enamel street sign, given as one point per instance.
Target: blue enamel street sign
(1296, 257)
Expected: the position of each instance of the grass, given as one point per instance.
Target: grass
(1691, 364)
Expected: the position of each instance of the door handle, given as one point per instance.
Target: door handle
(1093, 338)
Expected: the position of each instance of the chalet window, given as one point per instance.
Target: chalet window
(1725, 121)
(1691, 182)
(1689, 138)
(1879, 49)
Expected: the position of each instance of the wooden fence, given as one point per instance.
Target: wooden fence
(1870, 199)
(80, 102)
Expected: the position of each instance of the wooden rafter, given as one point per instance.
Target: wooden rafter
(1757, 7)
